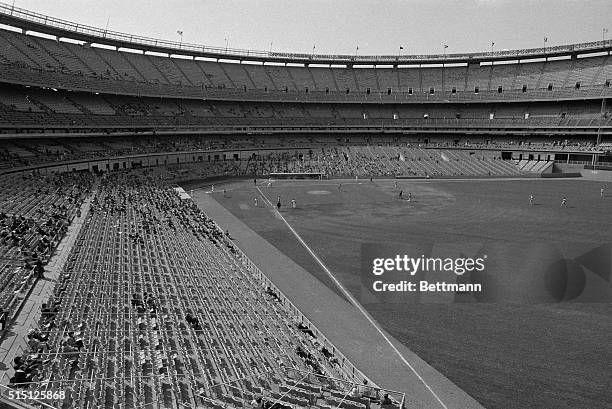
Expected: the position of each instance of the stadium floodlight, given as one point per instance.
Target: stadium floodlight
(106, 28)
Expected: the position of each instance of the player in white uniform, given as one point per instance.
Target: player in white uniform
(293, 203)
(530, 200)
(255, 202)
(564, 202)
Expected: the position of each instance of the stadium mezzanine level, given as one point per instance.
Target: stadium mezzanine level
(31, 110)
(16, 74)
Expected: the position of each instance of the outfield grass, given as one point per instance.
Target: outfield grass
(504, 355)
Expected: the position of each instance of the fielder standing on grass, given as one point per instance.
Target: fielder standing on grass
(531, 200)
(293, 203)
(255, 202)
(601, 192)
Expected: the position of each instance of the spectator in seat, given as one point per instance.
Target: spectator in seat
(21, 378)
(151, 304)
(354, 392)
(39, 270)
(193, 322)
(28, 364)
(69, 349)
(136, 301)
(48, 312)
(75, 340)
(37, 342)
(36, 334)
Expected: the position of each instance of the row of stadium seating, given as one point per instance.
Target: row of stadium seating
(20, 74)
(43, 53)
(35, 108)
(28, 152)
(351, 161)
(156, 307)
(389, 161)
(34, 100)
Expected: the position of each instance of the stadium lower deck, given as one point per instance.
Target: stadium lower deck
(152, 304)
(154, 307)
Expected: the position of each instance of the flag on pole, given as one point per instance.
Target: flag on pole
(445, 46)
(179, 32)
(492, 43)
(545, 39)
(401, 48)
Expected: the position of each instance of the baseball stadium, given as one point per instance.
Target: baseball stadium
(188, 226)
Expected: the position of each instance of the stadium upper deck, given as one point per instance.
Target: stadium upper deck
(578, 71)
(32, 21)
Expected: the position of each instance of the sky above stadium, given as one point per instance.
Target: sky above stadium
(365, 27)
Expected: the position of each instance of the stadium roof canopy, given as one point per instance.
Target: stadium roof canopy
(31, 21)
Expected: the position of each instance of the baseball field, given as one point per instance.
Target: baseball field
(506, 354)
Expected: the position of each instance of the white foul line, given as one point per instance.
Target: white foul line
(353, 301)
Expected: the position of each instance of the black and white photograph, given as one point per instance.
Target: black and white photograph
(316, 204)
